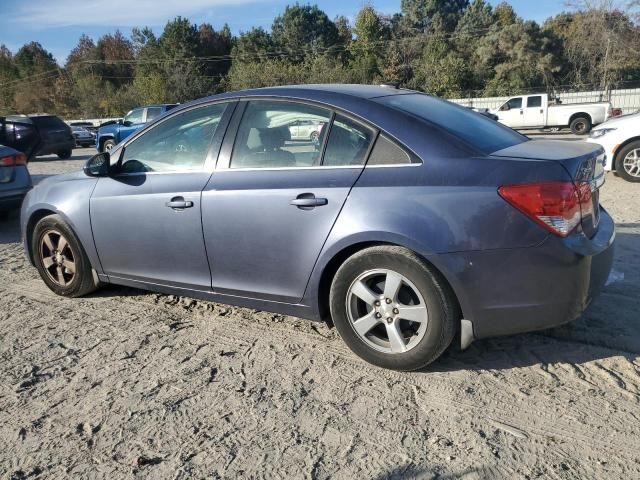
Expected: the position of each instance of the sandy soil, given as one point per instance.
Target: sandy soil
(128, 384)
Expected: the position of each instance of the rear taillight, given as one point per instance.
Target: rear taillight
(13, 160)
(557, 206)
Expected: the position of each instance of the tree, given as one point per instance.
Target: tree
(215, 48)
(116, 56)
(304, 31)
(367, 48)
(9, 77)
(419, 14)
(38, 70)
(601, 45)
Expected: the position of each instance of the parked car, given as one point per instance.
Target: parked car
(15, 180)
(620, 138)
(86, 125)
(55, 135)
(414, 221)
(305, 129)
(535, 111)
(21, 135)
(110, 134)
(83, 137)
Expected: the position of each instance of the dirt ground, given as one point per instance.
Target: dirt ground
(129, 384)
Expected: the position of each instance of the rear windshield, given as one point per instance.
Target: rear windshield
(49, 122)
(480, 132)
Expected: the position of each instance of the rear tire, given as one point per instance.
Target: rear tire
(64, 154)
(403, 331)
(628, 162)
(60, 259)
(580, 125)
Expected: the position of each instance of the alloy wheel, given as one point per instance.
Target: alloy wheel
(57, 257)
(387, 311)
(631, 163)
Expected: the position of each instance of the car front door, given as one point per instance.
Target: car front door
(146, 217)
(271, 203)
(512, 113)
(534, 112)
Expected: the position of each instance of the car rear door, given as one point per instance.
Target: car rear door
(534, 111)
(271, 202)
(146, 217)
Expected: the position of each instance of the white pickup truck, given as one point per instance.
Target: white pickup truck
(535, 111)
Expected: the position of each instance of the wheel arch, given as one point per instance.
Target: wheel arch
(580, 114)
(104, 138)
(331, 266)
(621, 147)
(34, 218)
(37, 215)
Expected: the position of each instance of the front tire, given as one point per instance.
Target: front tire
(60, 259)
(108, 145)
(392, 309)
(628, 162)
(580, 125)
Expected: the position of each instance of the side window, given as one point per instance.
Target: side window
(534, 102)
(134, 116)
(269, 135)
(348, 143)
(153, 112)
(387, 152)
(515, 103)
(179, 143)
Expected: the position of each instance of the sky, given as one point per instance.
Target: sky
(57, 24)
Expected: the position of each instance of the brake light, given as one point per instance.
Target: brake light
(13, 160)
(557, 206)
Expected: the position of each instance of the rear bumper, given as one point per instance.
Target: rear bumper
(513, 291)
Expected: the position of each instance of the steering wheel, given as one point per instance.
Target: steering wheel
(182, 147)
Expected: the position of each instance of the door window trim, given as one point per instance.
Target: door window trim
(213, 149)
(226, 150)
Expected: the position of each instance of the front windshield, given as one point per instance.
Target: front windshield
(480, 132)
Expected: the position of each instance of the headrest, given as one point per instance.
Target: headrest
(272, 138)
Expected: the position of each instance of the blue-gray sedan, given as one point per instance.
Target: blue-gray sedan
(406, 221)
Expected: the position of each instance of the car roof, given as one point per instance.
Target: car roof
(345, 90)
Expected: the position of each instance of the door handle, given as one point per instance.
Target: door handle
(178, 203)
(521, 112)
(307, 201)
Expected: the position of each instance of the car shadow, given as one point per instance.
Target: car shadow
(10, 227)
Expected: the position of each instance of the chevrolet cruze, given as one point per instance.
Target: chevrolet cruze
(407, 223)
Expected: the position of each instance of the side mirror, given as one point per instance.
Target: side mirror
(127, 123)
(98, 165)
(505, 107)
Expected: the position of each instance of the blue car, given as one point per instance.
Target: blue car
(411, 221)
(110, 135)
(15, 180)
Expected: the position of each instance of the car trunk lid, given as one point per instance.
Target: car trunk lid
(583, 162)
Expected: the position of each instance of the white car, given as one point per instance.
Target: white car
(305, 130)
(620, 138)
